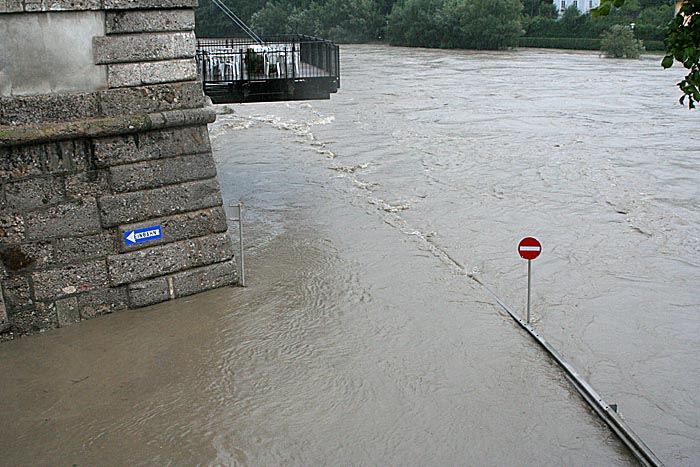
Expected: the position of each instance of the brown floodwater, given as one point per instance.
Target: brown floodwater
(360, 340)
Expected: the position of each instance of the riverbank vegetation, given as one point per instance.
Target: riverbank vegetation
(471, 24)
(476, 24)
(646, 19)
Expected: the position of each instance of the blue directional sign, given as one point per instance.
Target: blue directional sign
(132, 237)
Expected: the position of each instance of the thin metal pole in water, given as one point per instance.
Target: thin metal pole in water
(529, 274)
(240, 241)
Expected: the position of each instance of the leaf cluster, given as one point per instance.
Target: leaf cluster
(683, 45)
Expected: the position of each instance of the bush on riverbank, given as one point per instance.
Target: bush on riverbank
(619, 42)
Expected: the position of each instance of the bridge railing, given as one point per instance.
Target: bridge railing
(222, 61)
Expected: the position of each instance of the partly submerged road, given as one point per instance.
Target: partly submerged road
(353, 345)
(357, 341)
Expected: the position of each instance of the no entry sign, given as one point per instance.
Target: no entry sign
(529, 248)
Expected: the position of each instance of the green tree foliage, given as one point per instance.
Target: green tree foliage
(646, 4)
(683, 45)
(284, 18)
(338, 20)
(351, 20)
(619, 42)
(631, 8)
(533, 8)
(467, 24)
(211, 22)
(652, 22)
(415, 23)
(481, 24)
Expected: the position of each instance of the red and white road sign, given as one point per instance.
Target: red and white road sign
(529, 248)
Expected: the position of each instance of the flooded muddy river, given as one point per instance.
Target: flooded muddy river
(360, 340)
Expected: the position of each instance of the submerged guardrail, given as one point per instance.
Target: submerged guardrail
(604, 410)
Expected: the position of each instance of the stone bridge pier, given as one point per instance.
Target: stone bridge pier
(103, 136)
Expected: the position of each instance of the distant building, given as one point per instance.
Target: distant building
(584, 6)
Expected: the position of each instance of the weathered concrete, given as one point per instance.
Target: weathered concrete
(135, 207)
(75, 249)
(145, 264)
(122, 149)
(34, 193)
(35, 133)
(102, 301)
(30, 6)
(130, 48)
(147, 4)
(4, 322)
(57, 283)
(50, 53)
(67, 311)
(11, 6)
(148, 99)
(137, 74)
(119, 22)
(151, 145)
(40, 109)
(181, 284)
(63, 220)
(179, 227)
(153, 174)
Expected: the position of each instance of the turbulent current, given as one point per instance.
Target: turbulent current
(361, 339)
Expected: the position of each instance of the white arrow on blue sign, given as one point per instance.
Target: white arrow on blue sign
(132, 237)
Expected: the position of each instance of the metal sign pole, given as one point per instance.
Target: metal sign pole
(529, 249)
(529, 273)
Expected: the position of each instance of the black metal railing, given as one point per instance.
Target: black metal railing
(282, 57)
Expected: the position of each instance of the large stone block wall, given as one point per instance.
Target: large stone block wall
(125, 150)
